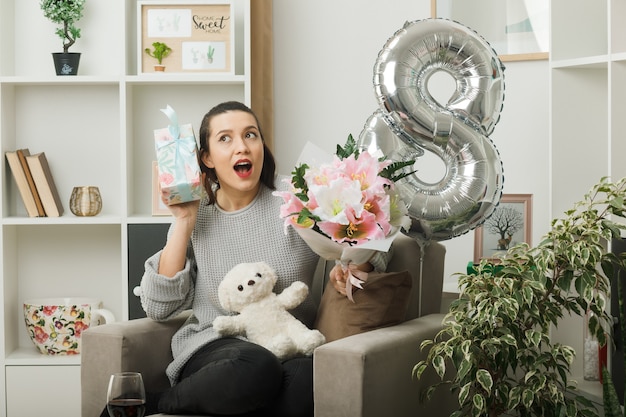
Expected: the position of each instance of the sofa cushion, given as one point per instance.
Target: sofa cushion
(382, 302)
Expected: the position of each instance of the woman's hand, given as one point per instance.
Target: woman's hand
(338, 276)
(183, 211)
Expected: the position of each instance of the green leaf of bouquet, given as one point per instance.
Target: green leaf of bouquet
(306, 218)
(298, 180)
(390, 171)
(302, 197)
(350, 148)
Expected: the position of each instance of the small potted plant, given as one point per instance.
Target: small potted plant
(65, 13)
(159, 51)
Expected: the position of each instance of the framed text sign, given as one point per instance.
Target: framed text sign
(199, 32)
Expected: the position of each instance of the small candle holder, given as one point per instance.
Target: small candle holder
(86, 201)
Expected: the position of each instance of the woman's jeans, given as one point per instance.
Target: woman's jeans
(232, 377)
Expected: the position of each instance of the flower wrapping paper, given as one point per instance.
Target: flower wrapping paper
(347, 255)
(177, 157)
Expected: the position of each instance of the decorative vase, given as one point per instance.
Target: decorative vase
(86, 201)
(66, 63)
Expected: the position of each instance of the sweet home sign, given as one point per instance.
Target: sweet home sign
(199, 33)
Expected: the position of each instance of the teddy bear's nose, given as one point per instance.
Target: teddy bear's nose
(251, 282)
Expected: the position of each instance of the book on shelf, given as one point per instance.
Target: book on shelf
(22, 182)
(39, 168)
(22, 154)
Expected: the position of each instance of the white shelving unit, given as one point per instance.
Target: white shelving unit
(96, 129)
(588, 80)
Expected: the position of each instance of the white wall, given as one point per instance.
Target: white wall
(324, 53)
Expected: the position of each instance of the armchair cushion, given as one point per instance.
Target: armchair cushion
(370, 374)
(382, 302)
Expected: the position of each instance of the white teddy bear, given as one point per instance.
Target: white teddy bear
(263, 317)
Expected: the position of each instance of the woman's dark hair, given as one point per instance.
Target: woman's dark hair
(211, 183)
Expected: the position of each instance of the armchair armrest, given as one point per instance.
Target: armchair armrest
(370, 374)
(141, 345)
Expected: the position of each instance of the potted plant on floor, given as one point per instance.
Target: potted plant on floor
(159, 51)
(495, 350)
(65, 13)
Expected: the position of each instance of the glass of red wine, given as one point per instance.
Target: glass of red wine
(126, 396)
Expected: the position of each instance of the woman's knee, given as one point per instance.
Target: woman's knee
(234, 377)
(258, 372)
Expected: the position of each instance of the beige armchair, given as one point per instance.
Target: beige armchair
(365, 375)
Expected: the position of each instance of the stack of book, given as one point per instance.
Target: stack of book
(35, 183)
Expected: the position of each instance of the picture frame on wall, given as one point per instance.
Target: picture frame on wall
(509, 225)
(518, 30)
(199, 32)
(158, 206)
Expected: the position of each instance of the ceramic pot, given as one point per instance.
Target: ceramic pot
(66, 63)
(55, 325)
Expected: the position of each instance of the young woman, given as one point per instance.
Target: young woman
(237, 222)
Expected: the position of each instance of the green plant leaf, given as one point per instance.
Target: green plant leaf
(419, 369)
(484, 379)
(528, 295)
(440, 366)
(478, 402)
(528, 397)
(509, 340)
(464, 369)
(534, 337)
(515, 396)
(427, 395)
(465, 347)
(612, 406)
(464, 393)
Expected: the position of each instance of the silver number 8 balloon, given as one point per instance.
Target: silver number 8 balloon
(410, 121)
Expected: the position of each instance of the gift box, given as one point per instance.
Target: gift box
(177, 159)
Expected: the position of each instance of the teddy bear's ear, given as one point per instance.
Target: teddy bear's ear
(268, 271)
(224, 296)
(269, 274)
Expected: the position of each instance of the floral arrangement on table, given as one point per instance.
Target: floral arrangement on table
(348, 208)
